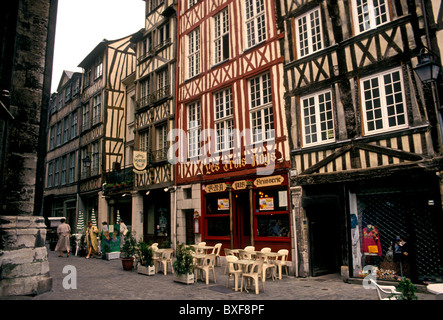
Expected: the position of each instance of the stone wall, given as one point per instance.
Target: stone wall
(24, 266)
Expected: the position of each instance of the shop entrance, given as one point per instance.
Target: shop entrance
(241, 219)
(324, 235)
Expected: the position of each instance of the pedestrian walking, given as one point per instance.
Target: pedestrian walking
(63, 232)
(91, 239)
(123, 232)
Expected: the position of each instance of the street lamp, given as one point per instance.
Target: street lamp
(427, 69)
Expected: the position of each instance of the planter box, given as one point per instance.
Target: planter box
(112, 255)
(149, 271)
(184, 278)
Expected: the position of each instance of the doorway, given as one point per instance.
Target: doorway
(242, 221)
(324, 238)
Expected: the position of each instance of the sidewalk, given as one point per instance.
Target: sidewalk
(99, 279)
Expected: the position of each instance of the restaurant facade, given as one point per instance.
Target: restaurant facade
(230, 149)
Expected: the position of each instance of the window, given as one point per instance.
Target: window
(146, 46)
(50, 174)
(56, 171)
(194, 129)
(309, 33)
(60, 100)
(163, 35)
(74, 124)
(317, 119)
(370, 13)
(98, 68)
(194, 53)
(261, 108)
(72, 161)
(76, 87)
(221, 36)
(255, 22)
(64, 172)
(95, 159)
(59, 134)
(162, 142)
(145, 88)
(224, 123)
(96, 109)
(85, 120)
(162, 84)
(383, 102)
(65, 129)
(51, 138)
(68, 91)
(144, 141)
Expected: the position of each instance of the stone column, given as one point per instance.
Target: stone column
(300, 233)
(24, 268)
(137, 214)
(27, 69)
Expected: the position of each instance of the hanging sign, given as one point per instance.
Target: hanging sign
(140, 160)
(239, 185)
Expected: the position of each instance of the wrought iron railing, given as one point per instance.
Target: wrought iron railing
(152, 98)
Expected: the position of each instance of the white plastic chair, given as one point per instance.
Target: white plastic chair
(250, 248)
(206, 266)
(281, 262)
(267, 265)
(266, 249)
(165, 259)
(255, 274)
(216, 251)
(233, 271)
(386, 292)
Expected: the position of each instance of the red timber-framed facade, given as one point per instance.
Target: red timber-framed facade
(230, 150)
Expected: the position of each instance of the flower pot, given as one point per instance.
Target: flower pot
(149, 271)
(127, 263)
(184, 278)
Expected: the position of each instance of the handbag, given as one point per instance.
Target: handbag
(372, 249)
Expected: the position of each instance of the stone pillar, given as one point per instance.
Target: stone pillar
(24, 267)
(27, 69)
(137, 214)
(102, 214)
(301, 232)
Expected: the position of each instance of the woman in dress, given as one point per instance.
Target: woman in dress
(63, 231)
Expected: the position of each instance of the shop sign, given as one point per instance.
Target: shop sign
(216, 187)
(269, 181)
(239, 185)
(255, 160)
(140, 160)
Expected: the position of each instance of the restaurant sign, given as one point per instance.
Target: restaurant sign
(242, 184)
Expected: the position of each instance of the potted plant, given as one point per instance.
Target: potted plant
(145, 255)
(184, 264)
(128, 251)
(407, 289)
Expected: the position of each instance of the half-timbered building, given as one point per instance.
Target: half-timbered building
(154, 118)
(230, 144)
(62, 155)
(102, 133)
(364, 137)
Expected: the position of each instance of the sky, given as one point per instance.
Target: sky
(83, 24)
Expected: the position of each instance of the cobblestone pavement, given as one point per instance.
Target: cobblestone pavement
(99, 279)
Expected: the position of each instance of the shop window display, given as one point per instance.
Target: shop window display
(377, 245)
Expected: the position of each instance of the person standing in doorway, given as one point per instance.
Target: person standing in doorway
(63, 232)
(91, 239)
